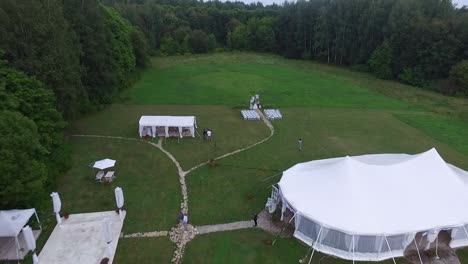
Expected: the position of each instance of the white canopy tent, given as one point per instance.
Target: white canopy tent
(11, 240)
(149, 124)
(370, 207)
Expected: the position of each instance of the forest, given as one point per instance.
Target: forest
(418, 42)
(62, 59)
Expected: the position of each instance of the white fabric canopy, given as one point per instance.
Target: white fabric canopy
(378, 201)
(180, 122)
(57, 204)
(12, 221)
(30, 242)
(104, 164)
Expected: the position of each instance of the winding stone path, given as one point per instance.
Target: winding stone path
(181, 234)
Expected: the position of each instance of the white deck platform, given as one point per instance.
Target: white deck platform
(80, 239)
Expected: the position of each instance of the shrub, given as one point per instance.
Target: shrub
(381, 61)
(413, 76)
(459, 76)
(198, 41)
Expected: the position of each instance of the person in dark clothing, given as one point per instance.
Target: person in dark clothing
(255, 219)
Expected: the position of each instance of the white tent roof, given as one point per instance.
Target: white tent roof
(172, 121)
(379, 194)
(12, 221)
(104, 164)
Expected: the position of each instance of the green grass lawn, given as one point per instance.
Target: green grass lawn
(248, 246)
(335, 111)
(230, 131)
(221, 81)
(148, 178)
(325, 132)
(453, 132)
(144, 250)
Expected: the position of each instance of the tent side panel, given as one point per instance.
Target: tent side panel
(459, 237)
(340, 244)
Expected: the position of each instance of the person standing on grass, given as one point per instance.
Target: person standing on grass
(255, 219)
(299, 144)
(208, 133)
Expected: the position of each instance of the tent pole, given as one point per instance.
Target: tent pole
(353, 249)
(294, 216)
(388, 244)
(437, 246)
(313, 248)
(417, 249)
(37, 218)
(18, 247)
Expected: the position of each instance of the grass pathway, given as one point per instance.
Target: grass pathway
(182, 234)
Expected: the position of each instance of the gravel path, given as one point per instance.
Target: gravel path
(224, 227)
(265, 222)
(147, 234)
(446, 254)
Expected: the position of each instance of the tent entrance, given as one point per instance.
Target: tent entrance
(9, 246)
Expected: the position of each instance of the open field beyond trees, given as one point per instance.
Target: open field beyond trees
(335, 111)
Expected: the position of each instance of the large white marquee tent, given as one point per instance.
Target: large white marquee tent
(151, 123)
(371, 207)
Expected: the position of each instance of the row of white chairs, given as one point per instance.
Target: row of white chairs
(273, 114)
(250, 115)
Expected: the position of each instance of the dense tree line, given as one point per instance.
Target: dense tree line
(58, 59)
(414, 41)
(61, 58)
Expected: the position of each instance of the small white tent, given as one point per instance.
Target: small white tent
(370, 207)
(149, 124)
(11, 223)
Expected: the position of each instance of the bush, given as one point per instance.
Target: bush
(169, 46)
(413, 76)
(212, 42)
(198, 41)
(381, 61)
(459, 76)
(22, 174)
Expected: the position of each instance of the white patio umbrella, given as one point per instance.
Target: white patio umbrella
(104, 164)
(30, 242)
(57, 206)
(106, 224)
(119, 200)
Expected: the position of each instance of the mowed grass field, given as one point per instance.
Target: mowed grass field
(335, 111)
(148, 178)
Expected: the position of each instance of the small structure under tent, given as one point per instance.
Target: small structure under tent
(12, 241)
(372, 207)
(167, 126)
